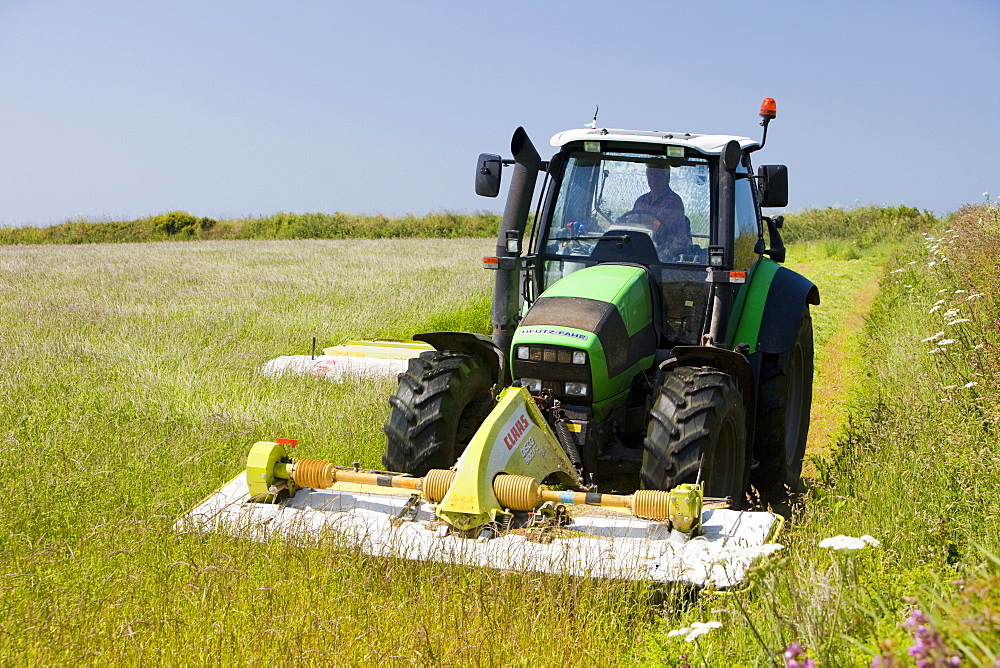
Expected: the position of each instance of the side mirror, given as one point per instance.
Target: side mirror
(773, 185)
(488, 171)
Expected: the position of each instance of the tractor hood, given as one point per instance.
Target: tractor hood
(605, 311)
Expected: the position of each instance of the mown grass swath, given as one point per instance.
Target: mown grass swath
(131, 385)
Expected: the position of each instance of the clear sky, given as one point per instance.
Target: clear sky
(114, 109)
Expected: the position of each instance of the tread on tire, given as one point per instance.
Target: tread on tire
(698, 411)
(783, 403)
(442, 399)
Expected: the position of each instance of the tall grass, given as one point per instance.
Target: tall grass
(131, 391)
(918, 469)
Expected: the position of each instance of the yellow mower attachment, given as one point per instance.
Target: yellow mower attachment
(500, 472)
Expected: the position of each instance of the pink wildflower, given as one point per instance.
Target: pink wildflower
(795, 657)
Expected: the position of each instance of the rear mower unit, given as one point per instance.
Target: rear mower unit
(647, 335)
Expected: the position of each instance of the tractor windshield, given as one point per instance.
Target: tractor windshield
(656, 206)
(637, 208)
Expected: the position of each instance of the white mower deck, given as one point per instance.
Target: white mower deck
(608, 544)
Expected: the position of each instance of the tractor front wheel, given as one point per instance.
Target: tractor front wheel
(442, 399)
(697, 421)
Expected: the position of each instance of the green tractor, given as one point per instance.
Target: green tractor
(644, 310)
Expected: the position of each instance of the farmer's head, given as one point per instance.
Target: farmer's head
(657, 176)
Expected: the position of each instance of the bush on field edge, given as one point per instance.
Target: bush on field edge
(863, 226)
(180, 225)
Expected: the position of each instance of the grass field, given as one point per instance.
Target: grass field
(131, 385)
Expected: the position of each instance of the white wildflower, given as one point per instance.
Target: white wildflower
(939, 335)
(949, 387)
(955, 322)
(972, 384)
(950, 313)
(931, 264)
(936, 307)
(696, 629)
(946, 342)
(974, 296)
(897, 271)
(959, 292)
(849, 542)
(942, 290)
(931, 352)
(914, 262)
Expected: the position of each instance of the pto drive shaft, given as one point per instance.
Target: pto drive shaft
(682, 506)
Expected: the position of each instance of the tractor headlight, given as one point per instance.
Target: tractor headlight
(533, 384)
(577, 389)
(550, 354)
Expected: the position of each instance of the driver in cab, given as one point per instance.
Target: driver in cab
(662, 209)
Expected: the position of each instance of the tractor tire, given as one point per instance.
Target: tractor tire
(442, 399)
(698, 416)
(783, 402)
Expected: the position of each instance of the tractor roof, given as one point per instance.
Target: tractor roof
(709, 144)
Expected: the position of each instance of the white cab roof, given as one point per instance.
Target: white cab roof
(709, 144)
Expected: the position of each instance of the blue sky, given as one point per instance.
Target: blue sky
(114, 109)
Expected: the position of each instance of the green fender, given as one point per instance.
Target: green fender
(769, 307)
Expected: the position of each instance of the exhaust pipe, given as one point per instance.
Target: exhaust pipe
(522, 187)
(527, 164)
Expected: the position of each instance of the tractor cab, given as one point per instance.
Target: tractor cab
(635, 203)
(684, 207)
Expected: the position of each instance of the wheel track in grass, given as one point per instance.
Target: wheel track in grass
(837, 357)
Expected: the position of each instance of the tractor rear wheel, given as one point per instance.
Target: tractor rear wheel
(783, 403)
(698, 419)
(442, 399)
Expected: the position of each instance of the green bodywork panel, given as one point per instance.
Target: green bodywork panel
(625, 287)
(621, 285)
(744, 324)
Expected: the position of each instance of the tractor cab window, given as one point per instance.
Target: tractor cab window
(632, 207)
(639, 208)
(747, 220)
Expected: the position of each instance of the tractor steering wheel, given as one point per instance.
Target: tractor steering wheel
(622, 219)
